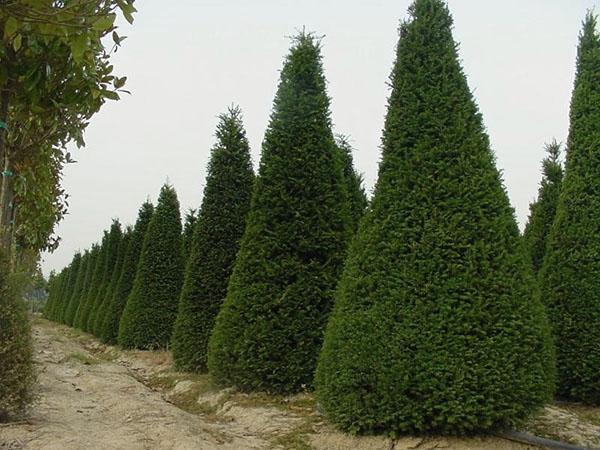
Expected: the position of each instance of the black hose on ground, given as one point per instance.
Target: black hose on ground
(527, 438)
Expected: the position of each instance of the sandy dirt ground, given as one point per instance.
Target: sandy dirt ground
(96, 397)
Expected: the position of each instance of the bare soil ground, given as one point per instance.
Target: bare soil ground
(93, 396)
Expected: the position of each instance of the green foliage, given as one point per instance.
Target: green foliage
(55, 75)
(69, 288)
(437, 325)
(220, 226)
(570, 275)
(71, 309)
(151, 308)
(95, 285)
(106, 268)
(110, 328)
(188, 231)
(78, 320)
(270, 328)
(17, 374)
(543, 210)
(113, 271)
(354, 183)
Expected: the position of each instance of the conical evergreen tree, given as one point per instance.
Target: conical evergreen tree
(74, 268)
(78, 321)
(220, 226)
(436, 324)
(127, 276)
(114, 238)
(17, 374)
(354, 183)
(95, 284)
(73, 303)
(269, 331)
(101, 319)
(543, 210)
(151, 308)
(188, 232)
(570, 275)
(61, 289)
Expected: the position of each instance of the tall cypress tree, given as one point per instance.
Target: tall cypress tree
(220, 226)
(436, 324)
(151, 308)
(543, 210)
(115, 235)
(95, 284)
(78, 321)
(570, 275)
(189, 224)
(74, 269)
(110, 328)
(354, 183)
(270, 328)
(71, 309)
(100, 320)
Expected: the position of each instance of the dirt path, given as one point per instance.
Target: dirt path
(93, 396)
(86, 403)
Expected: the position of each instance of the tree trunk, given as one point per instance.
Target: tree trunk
(6, 185)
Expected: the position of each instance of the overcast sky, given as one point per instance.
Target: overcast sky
(187, 60)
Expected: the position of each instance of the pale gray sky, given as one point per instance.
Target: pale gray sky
(187, 60)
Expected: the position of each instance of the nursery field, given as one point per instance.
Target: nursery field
(96, 396)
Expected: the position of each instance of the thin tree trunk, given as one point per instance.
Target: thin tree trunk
(6, 186)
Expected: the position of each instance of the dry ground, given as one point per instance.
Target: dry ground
(96, 397)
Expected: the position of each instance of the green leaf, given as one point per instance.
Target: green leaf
(104, 23)
(78, 47)
(10, 27)
(17, 41)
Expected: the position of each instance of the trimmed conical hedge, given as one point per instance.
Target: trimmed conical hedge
(354, 183)
(123, 287)
(95, 284)
(151, 308)
(219, 228)
(102, 319)
(570, 275)
(115, 235)
(17, 373)
(74, 269)
(436, 324)
(543, 210)
(75, 298)
(78, 320)
(270, 328)
(189, 225)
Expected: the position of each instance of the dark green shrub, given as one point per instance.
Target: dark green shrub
(114, 238)
(543, 210)
(437, 325)
(74, 269)
(17, 374)
(188, 233)
(570, 275)
(151, 308)
(270, 328)
(219, 228)
(73, 304)
(78, 320)
(94, 287)
(110, 329)
(101, 319)
(354, 183)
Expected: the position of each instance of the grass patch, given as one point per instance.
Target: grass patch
(83, 358)
(585, 413)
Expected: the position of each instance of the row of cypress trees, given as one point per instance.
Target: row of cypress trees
(430, 318)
